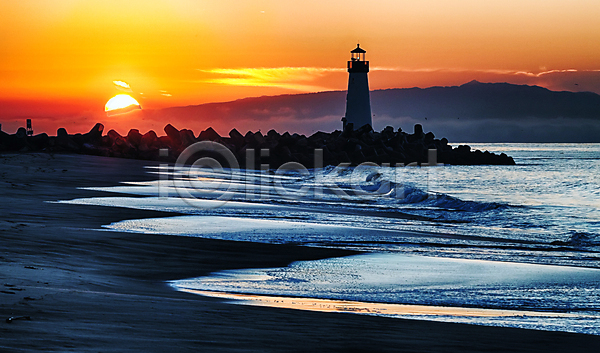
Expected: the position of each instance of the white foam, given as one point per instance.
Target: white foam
(546, 297)
(214, 226)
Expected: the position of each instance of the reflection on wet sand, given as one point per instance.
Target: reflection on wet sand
(346, 306)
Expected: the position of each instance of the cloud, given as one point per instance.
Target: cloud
(123, 86)
(293, 78)
(488, 71)
(577, 80)
(317, 79)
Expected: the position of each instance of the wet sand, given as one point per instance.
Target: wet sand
(87, 289)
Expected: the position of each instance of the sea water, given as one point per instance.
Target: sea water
(523, 237)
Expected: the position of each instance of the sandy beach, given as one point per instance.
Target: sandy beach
(72, 286)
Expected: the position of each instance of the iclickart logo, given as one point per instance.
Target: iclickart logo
(207, 175)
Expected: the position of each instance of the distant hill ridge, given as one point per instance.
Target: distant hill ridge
(488, 100)
(474, 111)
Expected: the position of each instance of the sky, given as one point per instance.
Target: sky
(58, 59)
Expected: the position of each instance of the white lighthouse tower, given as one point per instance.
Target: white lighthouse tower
(358, 102)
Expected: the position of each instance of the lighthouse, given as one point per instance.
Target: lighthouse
(358, 102)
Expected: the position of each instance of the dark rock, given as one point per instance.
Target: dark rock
(429, 137)
(343, 157)
(148, 140)
(254, 140)
(348, 130)
(273, 135)
(105, 142)
(164, 142)
(64, 141)
(17, 142)
(418, 130)
(301, 143)
(283, 152)
(174, 136)
(349, 146)
(209, 134)
(134, 137)
(120, 146)
(78, 139)
(123, 149)
(357, 157)
(94, 136)
(236, 138)
(249, 140)
(21, 133)
(40, 141)
(187, 137)
(62, 132)
(112, 135)
(463, 149)
(4, 141)
(363, 130)
(95, 150)
(259, 138)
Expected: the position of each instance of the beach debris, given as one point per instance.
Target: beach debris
(13, 318)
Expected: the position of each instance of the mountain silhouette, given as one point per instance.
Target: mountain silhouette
(472, 112)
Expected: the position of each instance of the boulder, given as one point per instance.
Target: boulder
(4, 140)
(260, 139)
(236, 138)
(112, 135)
(39, 141)
(187, 137)
(17, 142)
(254, 140)
(173, 135)
(78, 139)
(418, 130)
(148, 140)
(64, 142)
(94, 136)
(429, 137)
(348, 130)
(134, 137)
(363, 130)
(349, 146)
(22, 133)
(273, 135)
(209, 135)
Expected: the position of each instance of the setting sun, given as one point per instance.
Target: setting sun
(121, 103)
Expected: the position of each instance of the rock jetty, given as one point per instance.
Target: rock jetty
(390, 145)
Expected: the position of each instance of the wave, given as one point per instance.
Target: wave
(377, 184)
(446, 201)
(580, 239)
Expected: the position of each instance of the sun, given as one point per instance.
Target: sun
(121, 103)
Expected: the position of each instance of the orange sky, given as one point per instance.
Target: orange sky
(58, 59)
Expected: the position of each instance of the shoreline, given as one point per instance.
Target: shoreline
(87, 289)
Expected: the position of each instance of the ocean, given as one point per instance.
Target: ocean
(515, 246)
